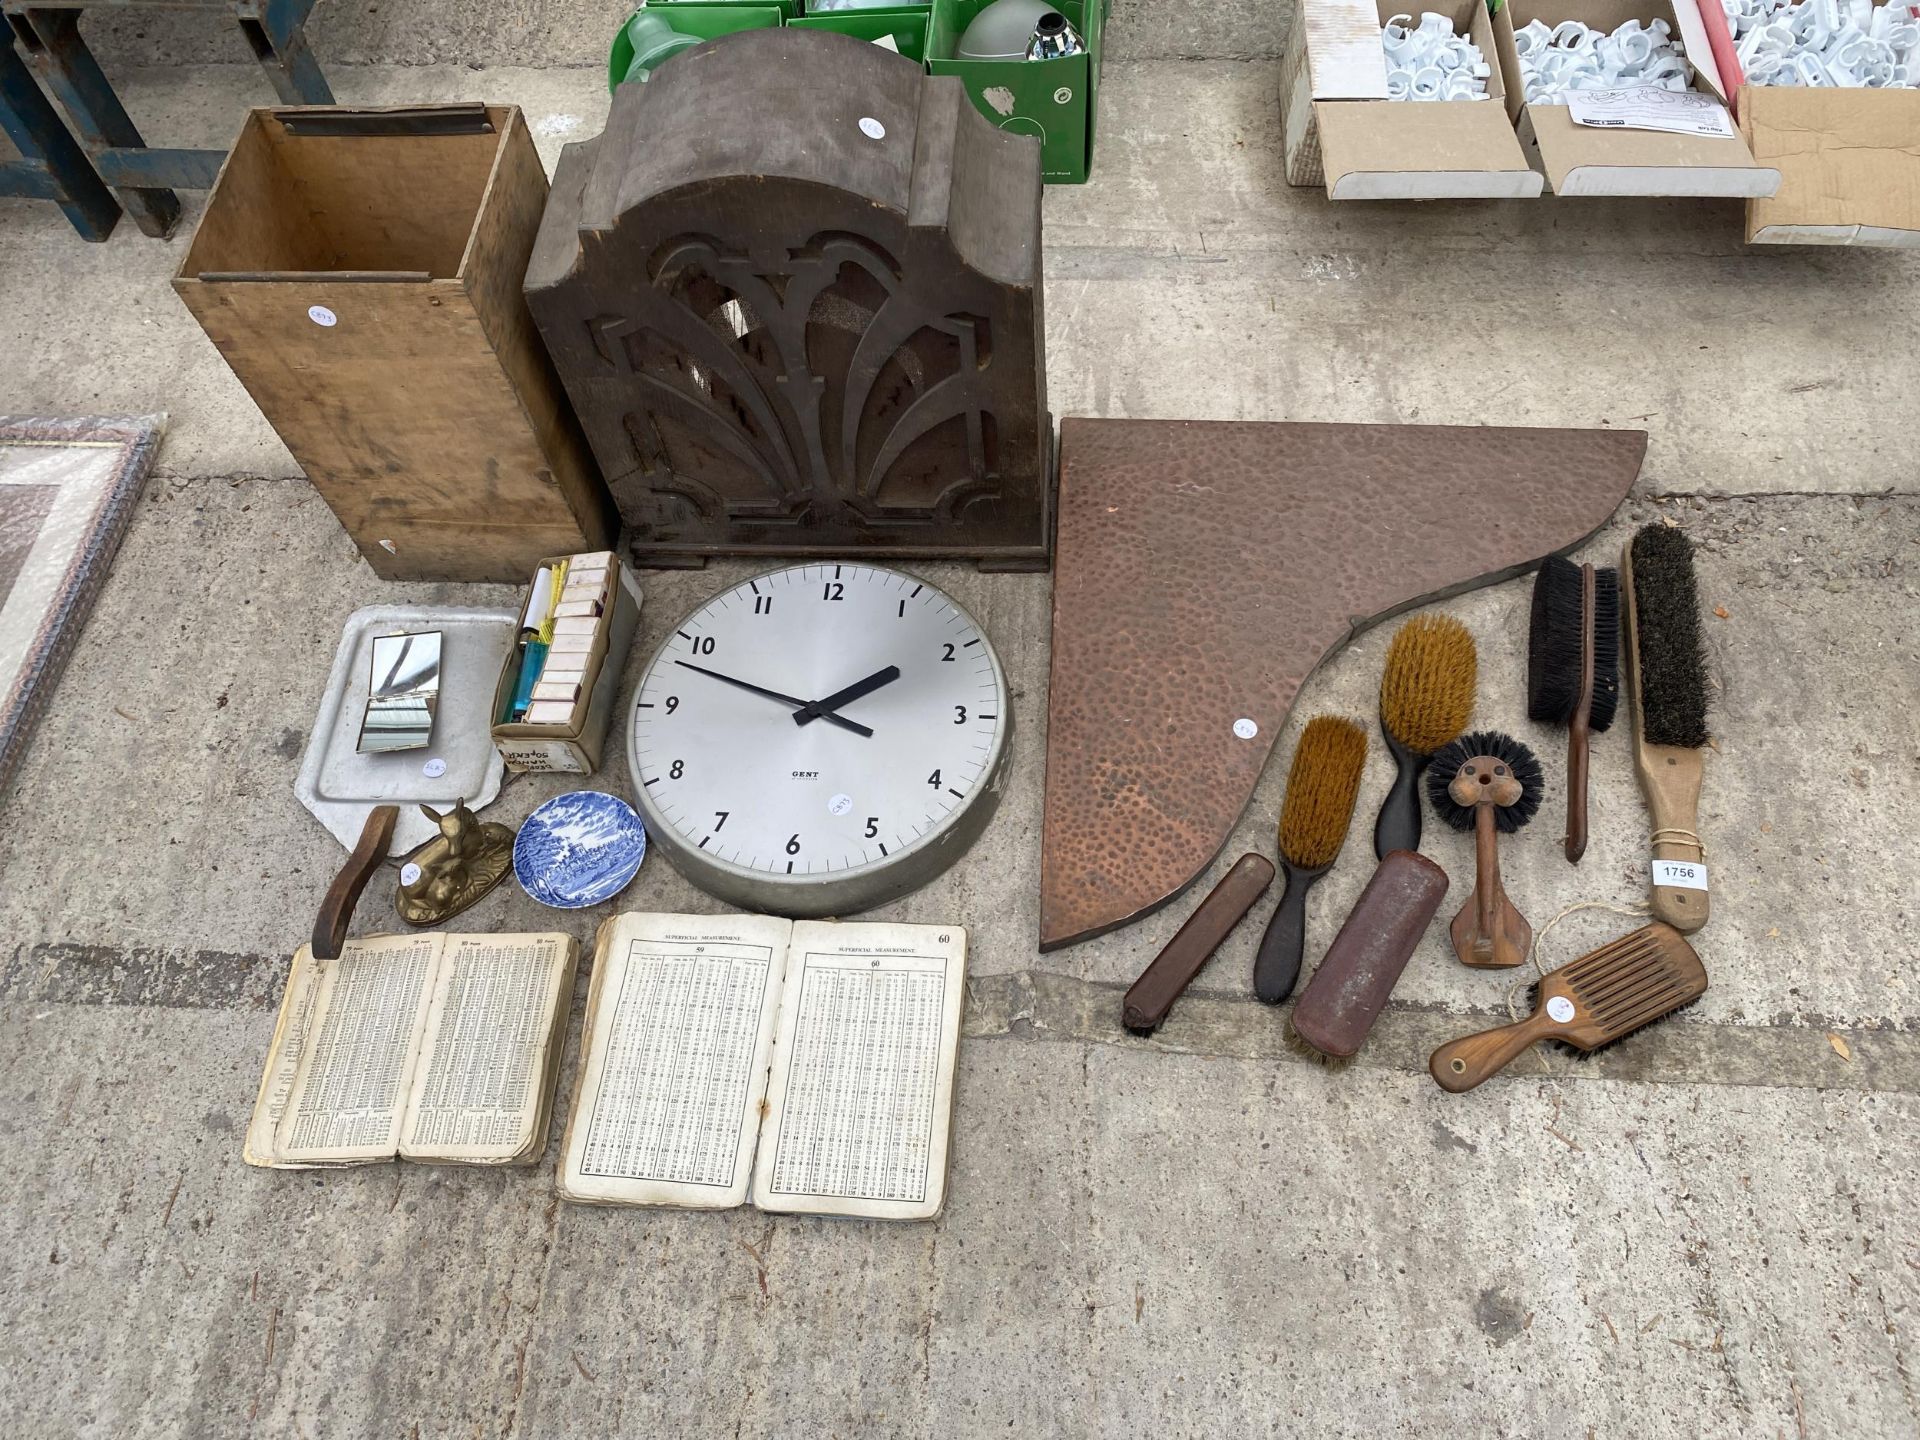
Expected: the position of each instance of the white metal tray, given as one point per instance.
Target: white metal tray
(341, 786)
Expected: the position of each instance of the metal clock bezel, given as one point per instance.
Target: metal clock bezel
(842, 892)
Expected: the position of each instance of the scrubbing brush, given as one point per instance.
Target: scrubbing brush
(1586, 1004)
(1573, 669)
(1667, 680)
(1321, 787)
(1488, 783)
(1426, 699)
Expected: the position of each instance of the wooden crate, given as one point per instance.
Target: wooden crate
(360, 270)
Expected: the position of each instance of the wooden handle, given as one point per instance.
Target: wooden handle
(1670, 775)
(1489, 933)
(1398, 827)
(336, 909)
(1578, 739)
(1149, 998)
(1486, 875)
(1462, 1064)
(1276, 965)
(1580, 733)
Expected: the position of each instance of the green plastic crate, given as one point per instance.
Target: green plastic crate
(1054, 100)
(708, 21)
(907, 27)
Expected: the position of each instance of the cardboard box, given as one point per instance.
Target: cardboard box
(574, 748)
(1341, 130)
(1054, 100)
(1849, 160)
(1580, 160)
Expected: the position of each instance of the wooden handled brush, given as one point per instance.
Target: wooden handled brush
(1604, 996)
(1667, 681)
(1426, 699)
(1573, 669)
(1321, 787)
(1488, 783)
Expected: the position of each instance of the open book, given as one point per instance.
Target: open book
(432, 1047)
(808, 1065)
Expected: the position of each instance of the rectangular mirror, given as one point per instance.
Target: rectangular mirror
(402, 690)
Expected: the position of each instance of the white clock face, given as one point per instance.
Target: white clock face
(765, 796)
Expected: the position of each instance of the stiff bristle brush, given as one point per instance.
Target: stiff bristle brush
(1573, 669)
(1667, 682)
(1426, 699)
(1604, 996)
(1488, 783)
(1321, 787)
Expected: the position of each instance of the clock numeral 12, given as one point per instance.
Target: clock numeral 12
(833, 590)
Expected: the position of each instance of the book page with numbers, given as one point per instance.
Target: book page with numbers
(678, 1036)
(363, 1035)
(290, 1034)
(861, 1102)
(490, 1049)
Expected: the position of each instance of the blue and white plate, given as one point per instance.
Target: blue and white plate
(579, 849)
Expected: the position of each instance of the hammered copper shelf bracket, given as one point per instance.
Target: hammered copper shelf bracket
(1203, 569)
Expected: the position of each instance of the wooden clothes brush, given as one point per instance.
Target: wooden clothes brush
(1426, 699)
(1604, 996)
(1321, 787)
(1573, 669)
(1488, 783)
(1667, 684)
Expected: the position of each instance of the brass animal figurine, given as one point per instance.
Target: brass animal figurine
(468, 859)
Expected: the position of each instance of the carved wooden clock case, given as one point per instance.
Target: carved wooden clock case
(793, 291)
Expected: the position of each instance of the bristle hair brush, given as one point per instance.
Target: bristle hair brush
(1488, 783)
(1573, 669)
(1604, 996)
(1321, 787)
(1667, 689)
(1426, 699)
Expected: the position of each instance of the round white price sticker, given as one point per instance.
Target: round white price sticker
(321, 315)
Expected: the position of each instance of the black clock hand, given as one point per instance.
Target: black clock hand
(794, 701)
(823, 709)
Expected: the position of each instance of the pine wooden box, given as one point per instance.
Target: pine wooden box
(360, 270)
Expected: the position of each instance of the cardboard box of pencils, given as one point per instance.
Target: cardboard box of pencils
(555, 696)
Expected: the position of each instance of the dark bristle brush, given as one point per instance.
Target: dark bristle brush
(1573, 669)
(1586, 1005)
(1426, 699)
(1667, 681)
(1321, 787)
(1488, 783)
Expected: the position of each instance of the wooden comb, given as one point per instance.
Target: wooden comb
(1603, 996)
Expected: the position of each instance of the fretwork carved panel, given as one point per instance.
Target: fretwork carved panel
(793, 292)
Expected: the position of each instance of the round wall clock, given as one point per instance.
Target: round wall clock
(820, 739)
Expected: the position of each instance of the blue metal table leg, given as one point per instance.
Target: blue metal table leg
(55, 49)
(35, 128)
(276, 31)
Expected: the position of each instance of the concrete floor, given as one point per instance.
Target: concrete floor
(1713, 1230)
